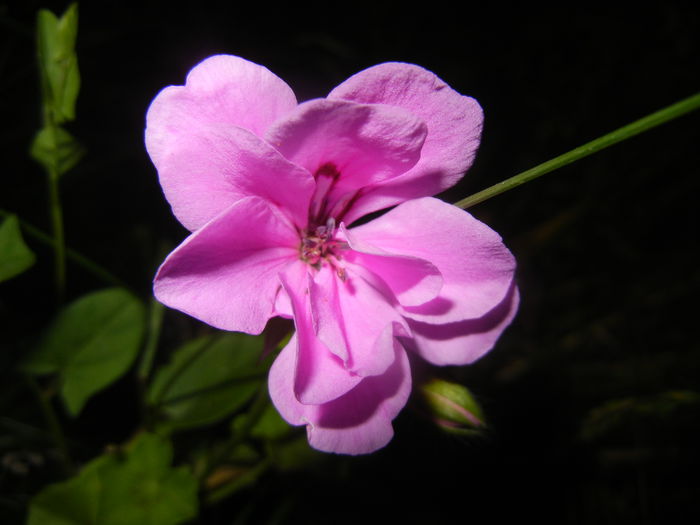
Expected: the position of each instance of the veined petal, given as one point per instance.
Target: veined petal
(454, 130)
(464, 342)
(223, 89)
(213, 168)
(476, 267)
(192, 136)
(354, 320)
(412, 280)
(226, 273)
(319, 375)
(356, 145)
(358, 422)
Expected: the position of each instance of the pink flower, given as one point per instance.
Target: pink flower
(269, 188)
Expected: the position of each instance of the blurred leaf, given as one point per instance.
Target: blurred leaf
(90, 344)
(227, 480)
(15, 257)
(627, 412)
(287, 447)
(294, 454)
(58, 63)
(56, 149)
(138, 487)
(71, 502)
(270, 425)
(207, 379)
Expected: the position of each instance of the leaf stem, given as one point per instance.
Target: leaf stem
(256, 410)
(76, 257)
(58, 233)
(206, 345)
(243, 481)
(53, 424)
(155, 323)
(213, 388)
(650, 121)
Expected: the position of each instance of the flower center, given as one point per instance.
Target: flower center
(319, 246)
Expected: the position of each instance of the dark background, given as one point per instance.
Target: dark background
(607, 247)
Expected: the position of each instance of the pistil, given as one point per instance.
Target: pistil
(320, 246)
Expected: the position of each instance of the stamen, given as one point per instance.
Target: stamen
(319, 246)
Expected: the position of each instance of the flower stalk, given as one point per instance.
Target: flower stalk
(81, 260)
(630, 130)
(58, 234)
(53, 424)
(53, 147)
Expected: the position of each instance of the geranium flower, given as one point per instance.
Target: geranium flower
(272, 190)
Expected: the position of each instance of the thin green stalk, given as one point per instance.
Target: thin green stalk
(79, 259)
(155, 323)
(650, 121)
(245, 480)
(213, 388)
(57, 226)
(181, 369)
(255, 412)
(53, 424)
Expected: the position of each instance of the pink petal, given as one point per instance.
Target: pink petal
(355, 321)
(226, 273)
(464, 342)
(413, 281)
(476, 267)
(223, 89)
(204, 174)
(192, 132)
(319, 375)
(358, 422)
(358, 144)
(454, 129)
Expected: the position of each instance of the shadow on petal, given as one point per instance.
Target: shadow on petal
(366, 400)
(360, 421)
(437, 306)
(464, 341)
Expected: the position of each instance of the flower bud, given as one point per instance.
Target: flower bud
(452, 407)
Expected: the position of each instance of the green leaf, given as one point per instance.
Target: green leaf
(637, 413)
(56, 149)
(207, 379)
(15, 257)
(294, 454)
(58, 63)
(90, 344)
(138, 486)
(71, 502)
(270, 425)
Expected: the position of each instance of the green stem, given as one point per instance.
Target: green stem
(255, 411)
(245, 480)
(213, 388)
(650, 121)
(206, 345)
(155, 323)
(53, 424)
(79, 259)
(60, 243)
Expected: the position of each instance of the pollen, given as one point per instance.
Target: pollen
(319, 246)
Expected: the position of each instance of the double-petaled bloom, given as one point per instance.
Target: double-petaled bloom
(273, 192)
